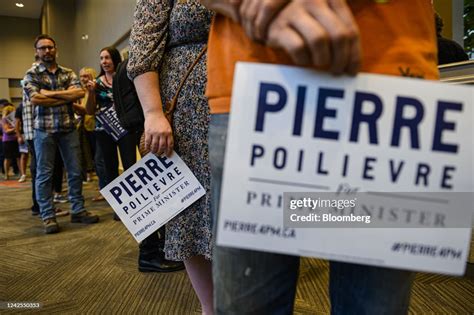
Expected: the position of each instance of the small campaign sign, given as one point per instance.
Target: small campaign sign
(152, 192)
(10, 118)
(299, 139)
(23, 148)
(107, 117)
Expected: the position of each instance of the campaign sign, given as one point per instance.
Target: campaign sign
(152, 192)
(107, 116)
(298, 131)
(23, 148)
(10, 118)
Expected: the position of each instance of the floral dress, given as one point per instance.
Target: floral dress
(104, 98)
(166, 37)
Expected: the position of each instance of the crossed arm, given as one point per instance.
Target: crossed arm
(321, 33)
(49, 98)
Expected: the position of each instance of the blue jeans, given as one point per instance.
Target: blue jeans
(252, 282)
(45, 146)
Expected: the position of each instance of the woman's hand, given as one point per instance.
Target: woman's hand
(158, 134)
(91, 86)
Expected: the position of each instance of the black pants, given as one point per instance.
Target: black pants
(31, 149)
(58, 172)
(106, 149)
(2, 158)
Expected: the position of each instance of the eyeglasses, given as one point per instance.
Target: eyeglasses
(44, 48)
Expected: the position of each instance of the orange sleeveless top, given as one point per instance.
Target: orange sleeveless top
(397, 38)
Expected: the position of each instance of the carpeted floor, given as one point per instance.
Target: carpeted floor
(93, 270)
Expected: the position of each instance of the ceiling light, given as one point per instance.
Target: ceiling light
(19, 4)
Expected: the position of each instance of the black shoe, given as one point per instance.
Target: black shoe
(151, 257)
(159, 265)
(35, 210)
(84, 217)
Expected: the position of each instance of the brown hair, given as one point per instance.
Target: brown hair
(44, 36)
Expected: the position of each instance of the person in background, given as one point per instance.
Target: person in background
(85, 127)
(22, 146)
(448, 50)
(52, 89)
(100, 100)
(3, 101)
(14, 164)
(28, 134)
(9, 139)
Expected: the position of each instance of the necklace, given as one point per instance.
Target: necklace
(107, 80)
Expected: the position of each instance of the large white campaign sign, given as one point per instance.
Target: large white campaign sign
(295, 130)
(152, 192)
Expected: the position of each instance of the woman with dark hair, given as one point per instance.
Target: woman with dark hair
(100, 103)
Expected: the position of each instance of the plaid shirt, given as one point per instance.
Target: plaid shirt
(51, 119)
(27, 114)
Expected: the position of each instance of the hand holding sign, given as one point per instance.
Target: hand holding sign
(318, 33)
(158, 134)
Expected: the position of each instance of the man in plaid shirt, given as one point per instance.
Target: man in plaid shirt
(52, 89)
